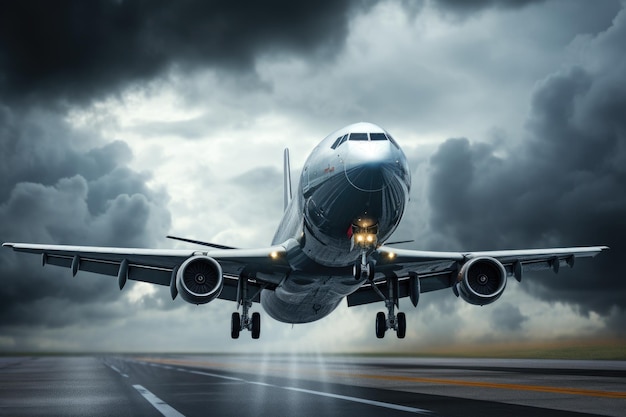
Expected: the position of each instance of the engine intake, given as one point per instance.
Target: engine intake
(481, 281)
(199, 280)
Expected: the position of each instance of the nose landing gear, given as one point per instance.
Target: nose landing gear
(363, 270)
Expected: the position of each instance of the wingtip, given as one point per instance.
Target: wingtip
(8, 245)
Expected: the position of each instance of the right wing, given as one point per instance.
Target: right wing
(159, 266)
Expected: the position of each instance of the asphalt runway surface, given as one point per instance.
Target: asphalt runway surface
(313, 385)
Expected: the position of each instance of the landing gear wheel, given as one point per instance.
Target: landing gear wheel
(235, 325)
(363, 271)
(256, 325)
(381, 325)
(401, 331)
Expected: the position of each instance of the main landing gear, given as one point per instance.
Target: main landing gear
(244, 321)
(364, 270)
(391, 321)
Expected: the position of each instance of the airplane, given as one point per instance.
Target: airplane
(331, 244)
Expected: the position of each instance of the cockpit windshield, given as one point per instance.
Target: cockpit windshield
(378, 136)
(364, 137)
(358, 136)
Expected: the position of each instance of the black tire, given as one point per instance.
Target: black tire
(356, 271)
(381, 325)
(235, 325)
(256, 325)
(401, 332)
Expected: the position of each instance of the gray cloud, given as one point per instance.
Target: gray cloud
(473, 5)
(507, 317)
(562, 185)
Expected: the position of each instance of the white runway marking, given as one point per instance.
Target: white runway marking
(361, 400)
(157, 403)
(391, 406)
(118, 371)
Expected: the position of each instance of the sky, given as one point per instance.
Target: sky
(124, 121)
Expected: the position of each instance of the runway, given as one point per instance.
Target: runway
(307, 385)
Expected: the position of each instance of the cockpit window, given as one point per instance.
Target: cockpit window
(358, 136)
(378, 136)
(339, 141)
(392, 140)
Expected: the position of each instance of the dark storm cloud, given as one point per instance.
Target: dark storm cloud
(74, 49)
(562, 186)
(54, 192)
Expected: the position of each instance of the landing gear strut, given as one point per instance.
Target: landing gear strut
(363, 270)
(244, 321)
(392, 321)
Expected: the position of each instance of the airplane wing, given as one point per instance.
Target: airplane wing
(159, 266)
(439, 270)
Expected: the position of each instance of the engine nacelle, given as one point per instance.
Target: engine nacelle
(199, 280)
(481, 281)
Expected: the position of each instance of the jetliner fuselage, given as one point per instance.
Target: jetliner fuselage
(354, 185)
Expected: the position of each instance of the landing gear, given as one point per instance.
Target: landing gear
(381, 325)
(235, 325)
(363, 270)
(401, 321)
(392, 321)
(256, 325)
(244, 321)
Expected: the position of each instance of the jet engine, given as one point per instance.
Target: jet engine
(481, 281)
(199, 280)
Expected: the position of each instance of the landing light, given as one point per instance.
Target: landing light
(274, 255)
(365, 239)
(391, 255)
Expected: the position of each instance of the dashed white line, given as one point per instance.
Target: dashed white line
(118, 371)
(216, 376)
(162, 407)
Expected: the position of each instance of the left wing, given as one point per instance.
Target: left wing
(159, 266)
(413, 272)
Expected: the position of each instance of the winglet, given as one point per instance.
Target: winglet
(286, 180)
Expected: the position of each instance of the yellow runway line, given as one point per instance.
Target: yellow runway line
(515, 387)
(419, 380)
